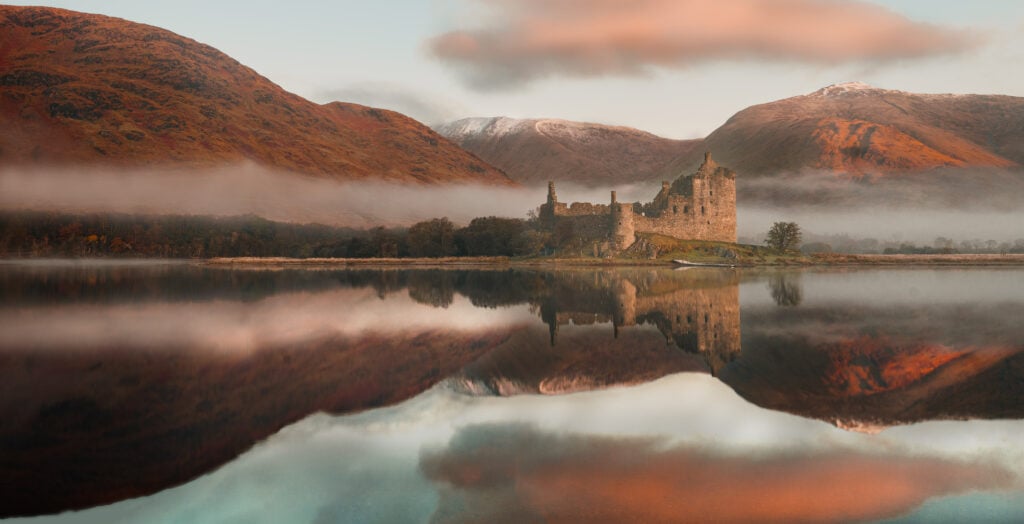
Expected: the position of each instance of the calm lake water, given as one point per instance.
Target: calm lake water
(170, 392)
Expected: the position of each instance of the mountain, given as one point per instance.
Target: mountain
(857, 129)
(852, 129)
(873, 382)
(536, 151)
(583, 359)
(87, 89)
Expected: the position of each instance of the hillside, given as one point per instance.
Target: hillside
(536, 151)
(858, 130)
(87, 89)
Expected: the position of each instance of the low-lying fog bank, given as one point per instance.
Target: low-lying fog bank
(940, 209)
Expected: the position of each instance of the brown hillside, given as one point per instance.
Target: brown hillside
(857, 130)
(536, 151)
(78, 88)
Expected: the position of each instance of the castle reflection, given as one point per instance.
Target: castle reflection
(696, 310)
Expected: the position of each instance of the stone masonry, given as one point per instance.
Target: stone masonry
(701, 206)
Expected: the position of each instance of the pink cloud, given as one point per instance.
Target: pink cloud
(510, 473)
(530, 39)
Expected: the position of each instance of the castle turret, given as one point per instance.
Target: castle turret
(623, 232)
(549, 210)
(709, 166)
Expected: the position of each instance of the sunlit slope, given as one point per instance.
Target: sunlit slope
(87, 89)
(857, 130)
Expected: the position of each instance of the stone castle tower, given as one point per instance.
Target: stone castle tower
(701, 206)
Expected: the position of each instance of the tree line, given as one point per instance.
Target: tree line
(46, 234)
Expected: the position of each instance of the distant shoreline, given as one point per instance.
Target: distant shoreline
(926, 260)
(795, 261)
(476, 262)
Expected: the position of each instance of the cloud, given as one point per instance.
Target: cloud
(517, 473)
(396, 98)
(531, 39)
(283, 320)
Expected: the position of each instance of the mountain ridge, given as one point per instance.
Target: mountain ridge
(850, 129)
(536, 150)
(92, 89)
(858, 130)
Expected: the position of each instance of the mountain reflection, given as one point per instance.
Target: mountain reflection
(122, 381)
(861, 362)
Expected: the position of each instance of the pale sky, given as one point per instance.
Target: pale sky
(676, 77)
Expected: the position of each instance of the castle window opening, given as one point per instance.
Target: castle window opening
(702, 210)
(675, 210)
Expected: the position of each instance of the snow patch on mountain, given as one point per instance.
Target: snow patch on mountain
(496, 127)
(481, 126)
(845, 88)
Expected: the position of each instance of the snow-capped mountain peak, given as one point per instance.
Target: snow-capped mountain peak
(495, 126)
(845, 88)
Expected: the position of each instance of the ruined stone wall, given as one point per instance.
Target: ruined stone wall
(579, 209)
(589, 225)
(707, 211)
(701, 206)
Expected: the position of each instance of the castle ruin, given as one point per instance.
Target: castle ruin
(701, 206)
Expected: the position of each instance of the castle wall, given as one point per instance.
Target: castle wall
(579, 209)
(693, 219)
(697, 207)
(589, 228)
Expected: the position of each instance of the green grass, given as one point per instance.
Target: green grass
(709, 252)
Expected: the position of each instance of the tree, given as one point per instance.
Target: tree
(432, 238)
(783, 236)
(494, 236)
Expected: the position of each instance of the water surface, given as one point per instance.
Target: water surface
(171, 392)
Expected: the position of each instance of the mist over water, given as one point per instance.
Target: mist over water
(911, 208)
(959, 204)
(251, 189)
(919, 225)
